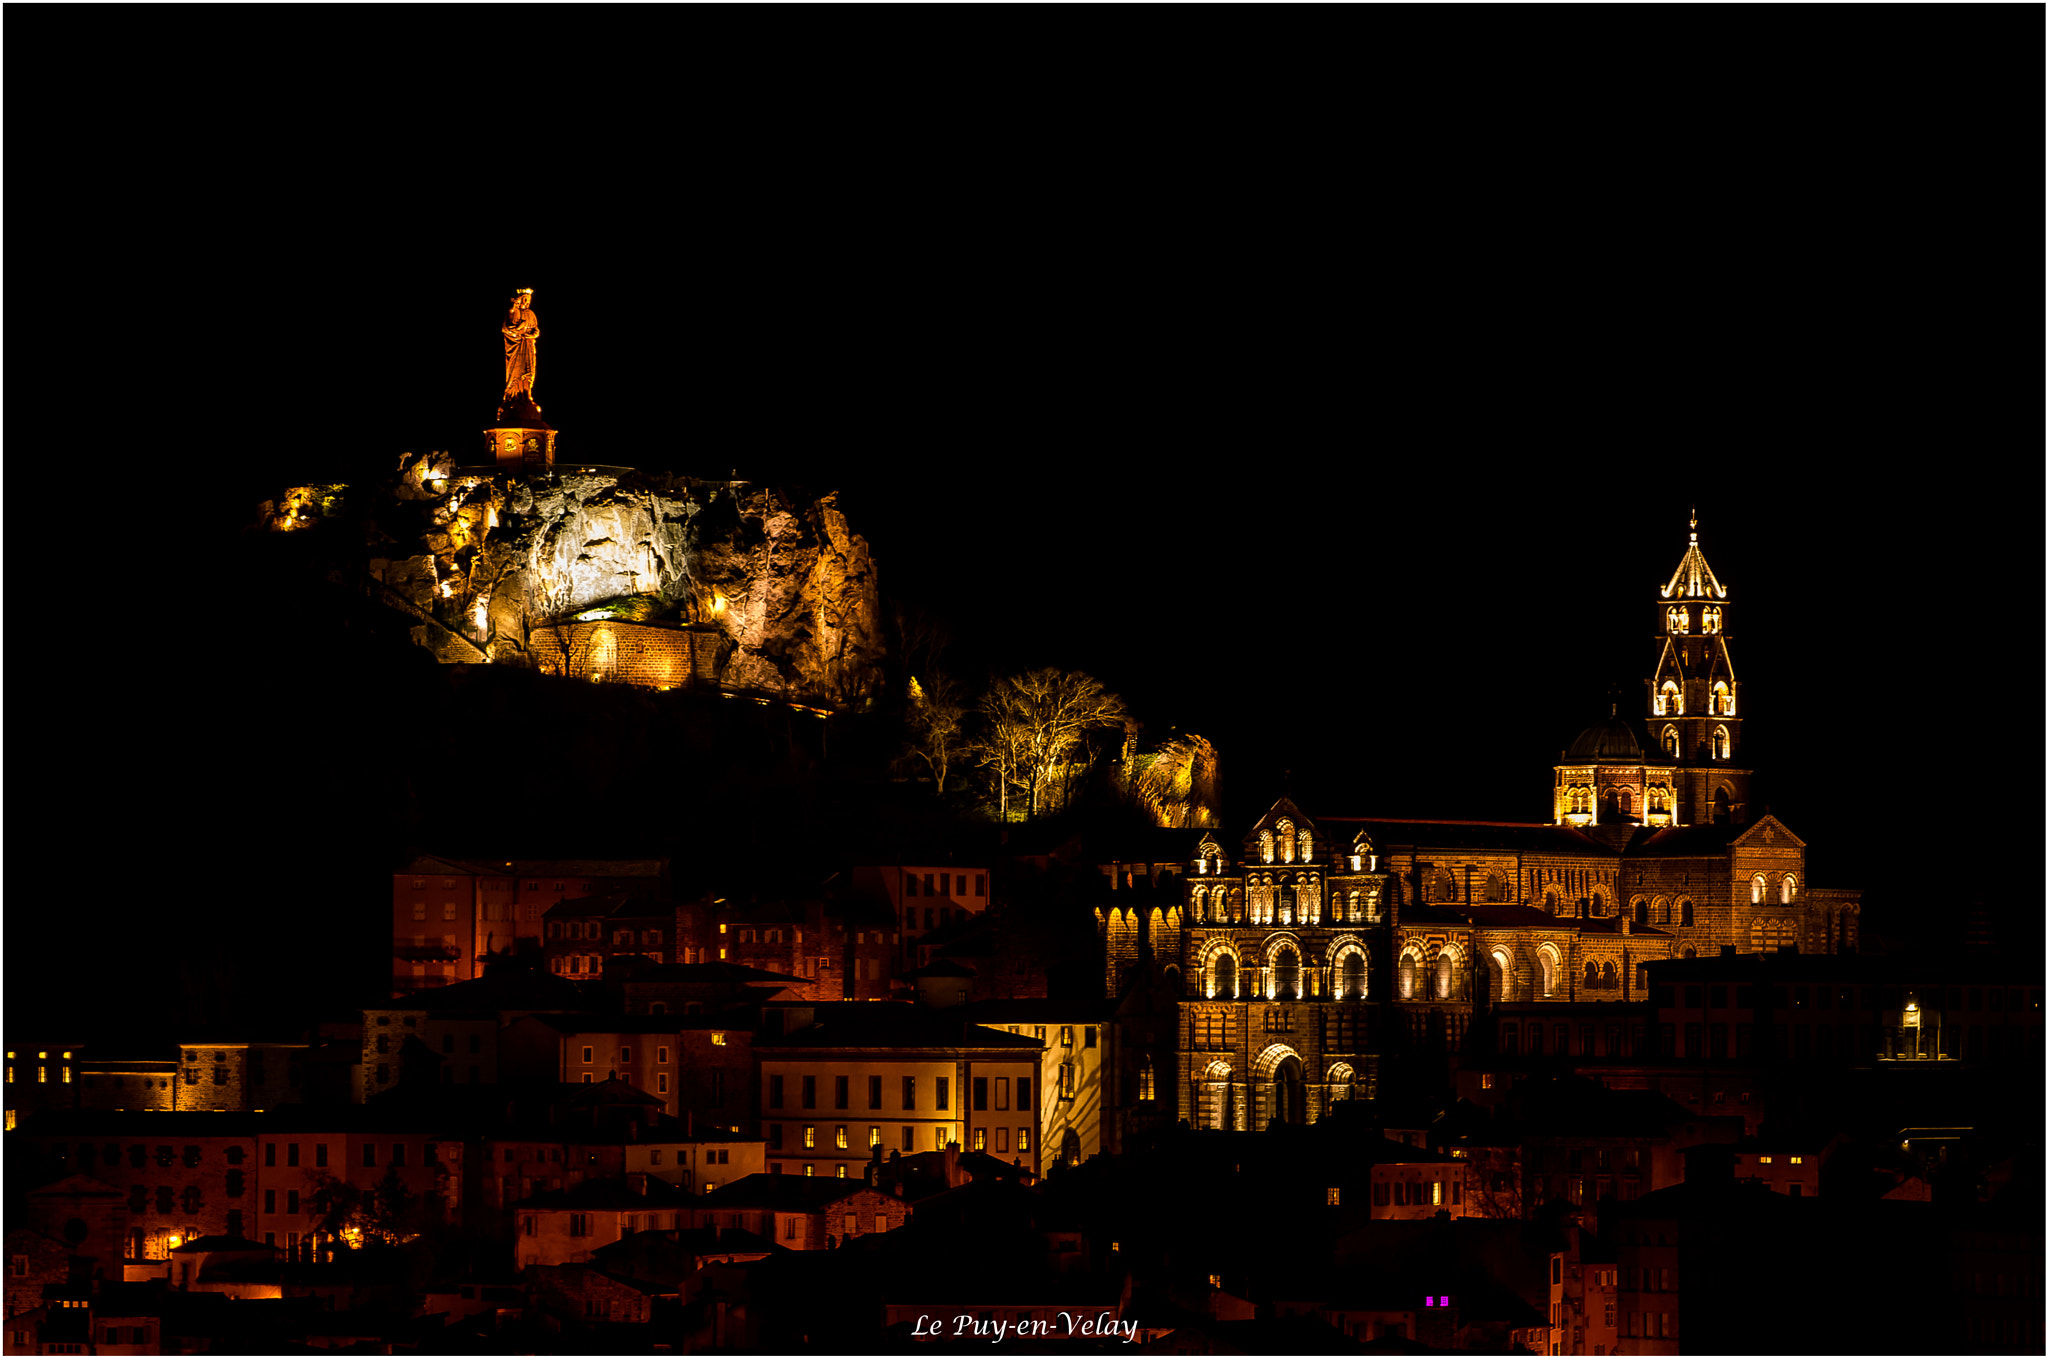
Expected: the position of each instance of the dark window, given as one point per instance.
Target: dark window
(1088, 1036)
(874, 1091)
(1023, 1093)
(270, 1154)
(981, 1093)
(291, 1153)
(775, 1091)
(810, 1091)
(942, 1094)
(774, 1136)
(320, 1155)
(397, 1154)
(909, 1092)
(839, 1093)
(369, 1155)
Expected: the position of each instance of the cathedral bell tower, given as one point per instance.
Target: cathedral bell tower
(1694, 714)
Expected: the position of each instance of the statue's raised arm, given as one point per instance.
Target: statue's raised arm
(521, 331)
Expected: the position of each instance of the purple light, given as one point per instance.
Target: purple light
(1443, 1301)
(1429, 1301)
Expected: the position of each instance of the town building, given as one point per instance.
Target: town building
(563, 1226)
(448, 915)
(921, 898)
(862, 1080)
(1072, 1072)
(696, 1065)
(798, 1212)
(583, 934)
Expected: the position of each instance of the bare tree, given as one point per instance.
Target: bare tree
(933, 726)
(1050, 711)
(1002, 746)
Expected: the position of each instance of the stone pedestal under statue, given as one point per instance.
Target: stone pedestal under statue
(521, 439)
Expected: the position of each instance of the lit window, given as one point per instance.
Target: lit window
(1798, 1159)
(810, 1143)
(717, 1040)
(842, 1136)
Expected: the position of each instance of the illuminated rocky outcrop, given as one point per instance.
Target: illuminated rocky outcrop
(498, 564)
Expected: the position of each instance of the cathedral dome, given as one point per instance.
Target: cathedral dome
(1612, 741)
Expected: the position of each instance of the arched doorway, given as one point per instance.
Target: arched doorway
(1290, 1092)
(1070, 1147)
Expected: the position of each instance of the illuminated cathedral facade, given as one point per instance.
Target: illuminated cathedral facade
(1309, 948)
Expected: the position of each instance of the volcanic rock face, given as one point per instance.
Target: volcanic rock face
(494, 559)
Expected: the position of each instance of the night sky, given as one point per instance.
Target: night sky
(1363, 457)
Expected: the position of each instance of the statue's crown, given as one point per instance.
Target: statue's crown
(523, 292)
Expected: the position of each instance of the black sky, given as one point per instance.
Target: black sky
(1354, 431)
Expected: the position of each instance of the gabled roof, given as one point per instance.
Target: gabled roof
(615, 904)
(1283, 808)
(943, 968)
(1681, 841)
(893, 1024)
(1766, 828)
(1504, 836)
(612, 1195)
(497, 989)
(430, 865)
(782, 1192)
(1038, 1011)
(1693, 579)
(78, 1185)
(1611, 924)
(709, 973)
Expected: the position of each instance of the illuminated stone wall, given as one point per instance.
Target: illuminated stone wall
(630, 653)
